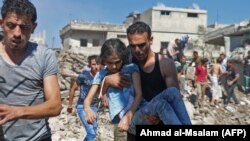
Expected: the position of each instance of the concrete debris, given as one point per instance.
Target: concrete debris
(68, 127)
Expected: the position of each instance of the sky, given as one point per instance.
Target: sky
(53, 15)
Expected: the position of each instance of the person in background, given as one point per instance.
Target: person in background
(173, 49)
(224, 61)
(201, 82)
(153, 68)
(84, 80)
(183, 41)
(246, 63)
(29, 89)
(196, 60)
(216, 72)
(232, 79)
(183, 64)
(181, 80)
(222, 79)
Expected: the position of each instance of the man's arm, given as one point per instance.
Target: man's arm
(71, 96)
(169, 72)
(51, 107)
(115, 80)
(89, 114)
(237, 77)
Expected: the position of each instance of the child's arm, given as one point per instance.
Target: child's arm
(89, 114)
(126, 120)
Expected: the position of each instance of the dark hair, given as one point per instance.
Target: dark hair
(179, 69)
(116, 46)
(204, 60)
(20, 7)
(219, 60)
(95, 57)
(139, 27)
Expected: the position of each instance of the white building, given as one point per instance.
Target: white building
(39, 38)
(167, 23)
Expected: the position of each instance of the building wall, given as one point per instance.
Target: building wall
(237, 41)
(164, 28)
(39, 38)
(177, 21)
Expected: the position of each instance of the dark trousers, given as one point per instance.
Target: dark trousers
(130, 137)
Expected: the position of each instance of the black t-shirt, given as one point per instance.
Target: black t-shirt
(152, 83)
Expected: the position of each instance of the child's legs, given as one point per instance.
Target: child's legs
(168, 106)
(204, 86)
(160, 109)
(173, 97)
(119, 136)
(199, 91)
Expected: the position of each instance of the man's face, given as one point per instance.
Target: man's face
(195, 55)
(17, 30)
(140, 45)
(183, 60)
(94, 66)
(222, 56)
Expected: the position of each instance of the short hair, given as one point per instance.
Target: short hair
(139, 27)
(230, 61)
(219, 60)
(195, 52)
(114, 45)
(95, 57)
(179, 69)
(204, 60)
(20, 7)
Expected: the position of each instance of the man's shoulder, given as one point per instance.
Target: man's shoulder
(166, 64)
(34, 47)
(85, 72)
(165, 59)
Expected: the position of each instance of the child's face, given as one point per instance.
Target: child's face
(113, 63)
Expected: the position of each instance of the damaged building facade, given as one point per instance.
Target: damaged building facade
(167, 23)
(231, 37)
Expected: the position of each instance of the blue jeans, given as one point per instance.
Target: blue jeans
(231, 94)
(168, 106)
(90, 128)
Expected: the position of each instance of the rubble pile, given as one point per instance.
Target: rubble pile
(68, 127)
(70, 65)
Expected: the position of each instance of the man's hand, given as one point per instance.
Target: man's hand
(7, 113)
(116, 80)
(152, 119)
(69, 109)
(230, 83)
